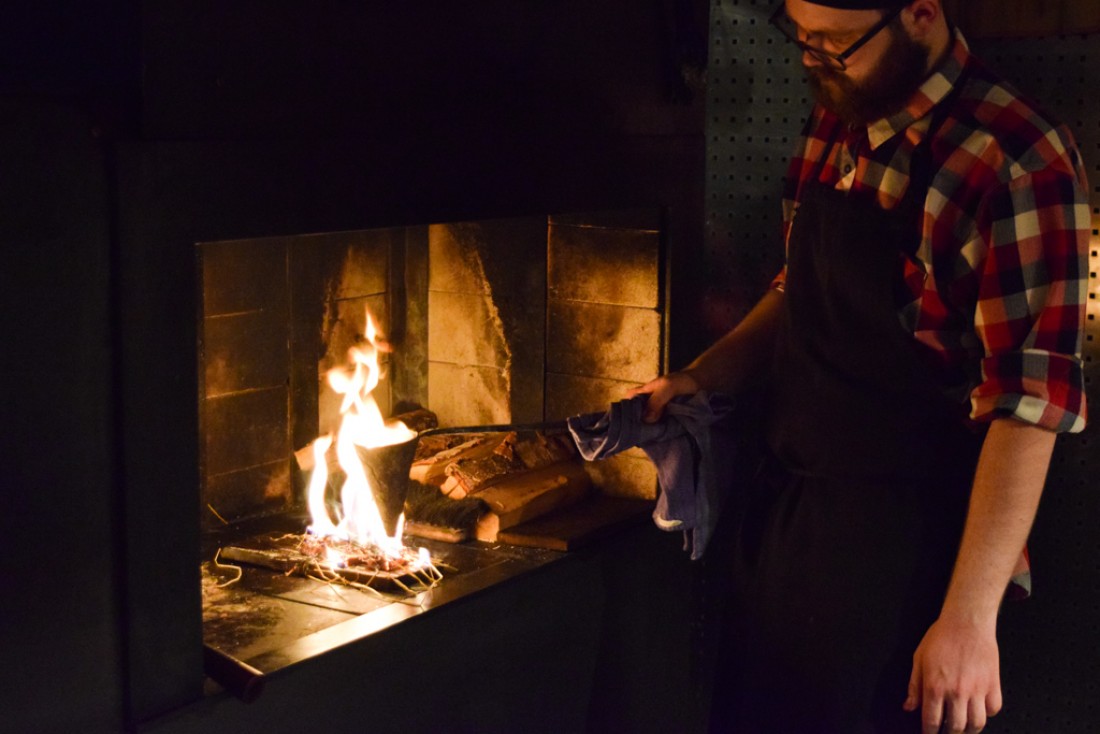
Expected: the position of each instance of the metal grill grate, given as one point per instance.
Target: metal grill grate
(757, 102)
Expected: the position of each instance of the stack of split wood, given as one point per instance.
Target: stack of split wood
(519, 476)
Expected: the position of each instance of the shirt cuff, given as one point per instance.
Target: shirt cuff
(779, 282)
(1038, 387)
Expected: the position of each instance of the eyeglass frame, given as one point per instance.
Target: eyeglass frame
(837, 61)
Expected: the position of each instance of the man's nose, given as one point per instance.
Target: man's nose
(810, 60)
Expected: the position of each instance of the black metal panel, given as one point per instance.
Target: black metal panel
(58, 529)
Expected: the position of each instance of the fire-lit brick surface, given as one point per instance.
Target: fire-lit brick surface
(605, 330)
(608, 341)
(243, 275)
(568, 395)
(627, 475)
(244, 351)
(486, 321)
(604, 265)
(242, 493)
(245, 429)
(245, 377)
(527, 320)
(333, 277)
(468, 395)
(278, 314)
(465, 329)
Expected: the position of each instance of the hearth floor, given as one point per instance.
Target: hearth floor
(271, 620)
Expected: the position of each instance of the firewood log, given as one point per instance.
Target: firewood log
(433, 470)
(468, 476)
(521, 497)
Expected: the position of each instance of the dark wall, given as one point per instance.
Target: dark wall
(473, 110)
(64, 70)
(131, 133)
(59, 628)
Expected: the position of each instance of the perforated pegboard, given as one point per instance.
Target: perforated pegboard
(756, 104)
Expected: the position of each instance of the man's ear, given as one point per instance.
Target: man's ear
(922, 17)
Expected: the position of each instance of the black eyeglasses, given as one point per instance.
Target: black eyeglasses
(787, 27)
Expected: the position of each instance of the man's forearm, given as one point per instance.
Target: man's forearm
(956, 667)
(742, 355)
(1004, 499)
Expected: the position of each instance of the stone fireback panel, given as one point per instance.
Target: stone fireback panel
(463, 395)
(526, 320)
(243, 275)
(605, 326)
(594, 339)
(629, 474)
(243, 493)
(244, 351)
(246, 429)
(604, 265)
(334, 277)
(278, 313)
(487, 321)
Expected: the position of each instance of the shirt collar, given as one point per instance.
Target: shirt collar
(934, 89)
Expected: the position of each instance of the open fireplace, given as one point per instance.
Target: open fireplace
(476, 326)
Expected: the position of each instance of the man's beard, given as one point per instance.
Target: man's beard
(885, 91)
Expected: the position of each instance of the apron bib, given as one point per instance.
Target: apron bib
(847, 547)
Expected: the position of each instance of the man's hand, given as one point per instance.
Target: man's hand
(664, 389)
(956, 676)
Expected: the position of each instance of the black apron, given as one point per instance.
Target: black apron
(847, 547)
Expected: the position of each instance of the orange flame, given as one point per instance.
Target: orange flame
(358, 519)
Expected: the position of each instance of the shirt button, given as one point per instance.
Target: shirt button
(847, 167)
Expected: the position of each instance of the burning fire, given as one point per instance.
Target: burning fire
(357, 531)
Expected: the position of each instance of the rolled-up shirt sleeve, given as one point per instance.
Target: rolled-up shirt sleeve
(779, 282)
(1032, 292)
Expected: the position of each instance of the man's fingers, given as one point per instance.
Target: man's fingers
(955, 714)
(931, 714)
(993, 701)
(661, 391)
(654, 407)
(975, 716)
(912, 699)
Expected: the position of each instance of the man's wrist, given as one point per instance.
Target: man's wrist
(692, 381)
(979, 613)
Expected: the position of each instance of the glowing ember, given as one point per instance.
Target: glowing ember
(356, 535)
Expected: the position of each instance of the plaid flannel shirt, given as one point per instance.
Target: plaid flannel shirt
(996, 290)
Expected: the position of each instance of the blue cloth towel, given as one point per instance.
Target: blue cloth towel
(695, 461)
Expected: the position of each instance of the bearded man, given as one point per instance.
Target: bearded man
(921, 349)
